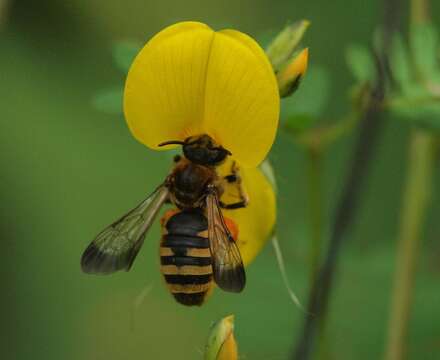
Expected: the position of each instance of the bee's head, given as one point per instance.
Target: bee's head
(202, 150)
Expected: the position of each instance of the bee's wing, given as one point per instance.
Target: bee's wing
(227, 264)
(116, 247)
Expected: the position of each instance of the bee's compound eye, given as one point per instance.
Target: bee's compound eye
(177, 158)
(218, 155)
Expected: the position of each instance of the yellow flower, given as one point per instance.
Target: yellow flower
(221, 342)
(190, 80)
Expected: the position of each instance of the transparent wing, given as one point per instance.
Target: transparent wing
(116, 247)
(227, 264)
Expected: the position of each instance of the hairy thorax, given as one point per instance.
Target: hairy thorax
(188, 183)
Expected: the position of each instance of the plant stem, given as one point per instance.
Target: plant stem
(415, 201)
(4, 7)
(419, 11)
(315, 199)
(314, 175)
(344, 215)
(347, 205)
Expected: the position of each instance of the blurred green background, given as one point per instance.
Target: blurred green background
(68, 170)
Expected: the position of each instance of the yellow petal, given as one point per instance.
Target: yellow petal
(165, 86)
(190, 80)
(242, 100)
(257, 220)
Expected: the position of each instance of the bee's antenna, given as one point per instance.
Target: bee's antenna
(172, 142)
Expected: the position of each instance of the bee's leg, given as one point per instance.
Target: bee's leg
(231, 178)
(234, 178)
(236, 205)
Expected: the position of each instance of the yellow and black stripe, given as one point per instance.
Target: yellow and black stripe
(185, 256)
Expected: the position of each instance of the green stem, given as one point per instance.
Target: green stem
(315, 198)
(314, 177)
(419, 11)
(415, 201)
(4, 7)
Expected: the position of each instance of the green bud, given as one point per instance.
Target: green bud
(221, 342)
(281, 49)
(290, 75)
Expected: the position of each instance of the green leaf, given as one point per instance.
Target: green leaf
(109, 101)
(400, 64)
(426, 116)
(430, 116)
(360, 62)
(424, 46)
(124, 53)
(419, 107)
(299, 122)
(311, 98)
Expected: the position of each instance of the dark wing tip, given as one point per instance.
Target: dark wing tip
(232, 280)
(95, 261)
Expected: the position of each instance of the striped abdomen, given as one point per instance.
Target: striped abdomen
(185, 256)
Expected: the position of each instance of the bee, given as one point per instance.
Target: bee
(198, 245)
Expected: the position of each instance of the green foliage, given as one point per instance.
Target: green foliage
(265, 37)
(303, 110)
(419, 108)
(282, 47)
(124, 53)
(415, 96)
(360, 63)
(424, 46)
(109, 101)
(400, 64)
(299, 122)
(417, 78)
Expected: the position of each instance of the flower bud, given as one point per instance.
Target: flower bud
(290, 75)
(221, 342)
(281, 49)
